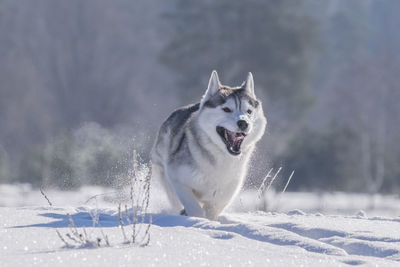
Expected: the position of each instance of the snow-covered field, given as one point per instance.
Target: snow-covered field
(300, 229)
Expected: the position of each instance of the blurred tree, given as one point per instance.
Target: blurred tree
(89, 155)
(65, 63)
(360, 91)
(272, 39)
(31, 168)
(59, 170)
(324, 160)
(100, 155)
(4, 166)
(370, 103)
(391, 183)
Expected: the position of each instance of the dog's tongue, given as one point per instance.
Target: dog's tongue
(234, 140)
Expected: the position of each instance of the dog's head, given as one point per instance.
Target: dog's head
(232, 117)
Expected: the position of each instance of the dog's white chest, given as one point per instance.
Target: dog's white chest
(219, 181)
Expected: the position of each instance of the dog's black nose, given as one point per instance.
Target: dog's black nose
(242, 124)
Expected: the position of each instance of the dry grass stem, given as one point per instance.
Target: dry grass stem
(62, 239)
(121, 223)
(262, 186)
(266, 184)
(288, 181)
(45, 196)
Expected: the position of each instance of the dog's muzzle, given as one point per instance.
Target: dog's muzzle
(232, 140)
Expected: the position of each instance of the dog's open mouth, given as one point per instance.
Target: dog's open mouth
(232, 140)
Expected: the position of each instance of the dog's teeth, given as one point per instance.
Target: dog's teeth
(225, 135)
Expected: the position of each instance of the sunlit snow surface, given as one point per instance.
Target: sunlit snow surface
(300, 237)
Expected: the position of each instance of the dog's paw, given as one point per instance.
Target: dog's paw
(183, 212)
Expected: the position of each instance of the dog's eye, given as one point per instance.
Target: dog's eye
(249, 111)
(228, 110)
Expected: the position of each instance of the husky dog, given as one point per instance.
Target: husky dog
(202, 150)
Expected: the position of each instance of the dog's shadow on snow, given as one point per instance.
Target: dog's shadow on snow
(222, 229)
(111, 219)
(93, 218)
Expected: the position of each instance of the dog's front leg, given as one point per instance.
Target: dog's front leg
(189, 200)
(212, 210)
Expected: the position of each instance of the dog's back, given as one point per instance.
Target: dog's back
(171, 136)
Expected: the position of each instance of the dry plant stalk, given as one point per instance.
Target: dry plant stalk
(288, 181)
(145, 204)
(81, 239)
(133, 179)
(139, 203)
(121, 223)
(265, 185)
(62, 239)
(45, 196)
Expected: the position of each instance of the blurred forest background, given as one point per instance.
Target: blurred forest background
(83, 83)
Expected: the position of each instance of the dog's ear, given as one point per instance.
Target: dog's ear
(212, 89)
(248, 85)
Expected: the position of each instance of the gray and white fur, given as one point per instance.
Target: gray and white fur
(202, 150)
